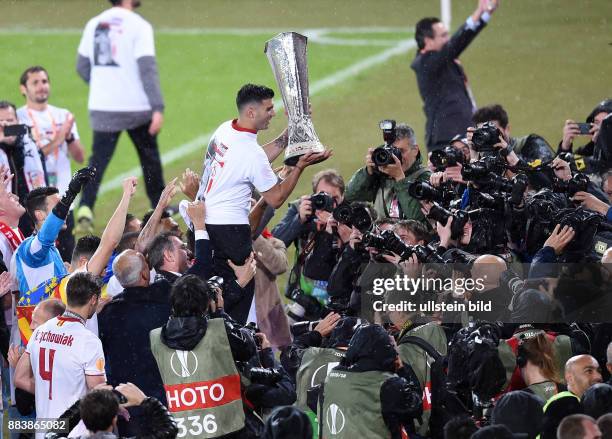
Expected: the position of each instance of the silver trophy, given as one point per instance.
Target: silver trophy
(287, 55)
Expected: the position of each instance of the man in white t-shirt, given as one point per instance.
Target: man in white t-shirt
(63, 359)
(116, 57)
(55, 133)
(235, 164)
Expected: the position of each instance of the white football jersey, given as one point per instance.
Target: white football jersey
(62, 352)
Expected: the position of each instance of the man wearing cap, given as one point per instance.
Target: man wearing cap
(387, 186)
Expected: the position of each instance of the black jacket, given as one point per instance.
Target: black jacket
(447, 105)
(124, 325)
(160, 424)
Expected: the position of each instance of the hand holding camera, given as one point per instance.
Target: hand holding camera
(132, 394)
(305, 209)
(325, 326)
(560, 238)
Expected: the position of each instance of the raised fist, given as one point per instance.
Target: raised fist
(80, 178)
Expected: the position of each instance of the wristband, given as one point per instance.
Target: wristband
(70, 139)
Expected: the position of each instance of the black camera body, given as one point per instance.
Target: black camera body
(449, 156)
(424, 191)
(214, 283)
(578, 183)
(322, 201)
(353, 215)
(383, 155)
(441, 215)
(388, 241)
(485, 137)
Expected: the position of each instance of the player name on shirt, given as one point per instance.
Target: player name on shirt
(52, 337)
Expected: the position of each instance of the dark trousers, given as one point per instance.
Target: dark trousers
(232, 242)
(148, 152)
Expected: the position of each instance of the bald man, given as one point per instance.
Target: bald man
(487, 271)
(124, 326)
(581, 372)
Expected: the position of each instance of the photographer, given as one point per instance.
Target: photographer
(20, 155)
(303, 225)
(571, 130)
(353, 275)
(215, 348)
(101, 408)
(366, 393)
(387, 185)
(415, 324)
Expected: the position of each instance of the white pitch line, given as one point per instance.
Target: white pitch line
(318, 86)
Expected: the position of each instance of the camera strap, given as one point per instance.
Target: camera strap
(294, 275)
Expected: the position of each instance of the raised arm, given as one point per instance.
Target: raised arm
(114, 229)
(151, 228)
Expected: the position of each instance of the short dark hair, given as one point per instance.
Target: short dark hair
(330, 176)
(571, 426)
(115, 2)
(147, 216)
(417, 228)
(81, 287)
(157, 247)
(6, 104)
(250, 93)
(189, 297)
(424, 28)
(86, 246)
(385, 221)
(460, 427)
(491, 112)
(98, 409)
(128, 241)
(34, 69)
(37, 199)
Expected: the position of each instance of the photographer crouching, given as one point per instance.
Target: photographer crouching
(210, 366)
(389, 170)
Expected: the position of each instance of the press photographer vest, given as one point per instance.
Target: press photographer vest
(316, 365)
(352, 407)
(202, 385)
(420, 362)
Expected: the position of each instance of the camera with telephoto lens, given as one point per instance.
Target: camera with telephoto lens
(485, 137)
(578, 183)
(481, 169)
(311, 308)
(353, 215)
(214, 283)
(322, 201)
(424, 191)
(301, 328)
(259, 375)
(444, 158)
(388, 241)
(441, 215)
(383, 155)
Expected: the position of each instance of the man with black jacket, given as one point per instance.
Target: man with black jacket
(363, 396)
(448, 99)
(99, 411)
(197, 352)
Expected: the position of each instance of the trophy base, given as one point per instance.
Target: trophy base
(297, 150)
(292, 161)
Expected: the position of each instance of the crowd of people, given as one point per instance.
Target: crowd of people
(462, 296)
